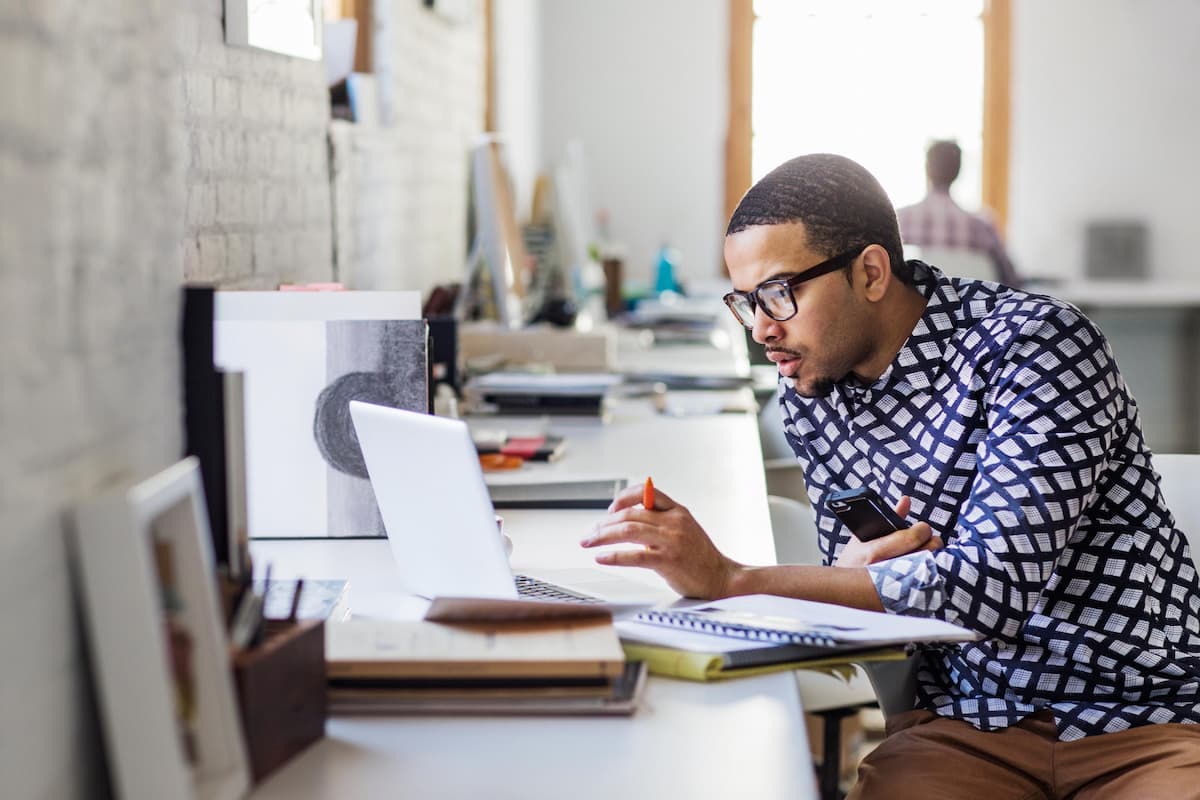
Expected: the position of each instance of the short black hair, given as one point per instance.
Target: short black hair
(840, 204)
(943, 160)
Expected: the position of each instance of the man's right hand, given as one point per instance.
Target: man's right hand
(672, 544)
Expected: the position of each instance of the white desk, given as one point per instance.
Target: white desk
(1144, 293)
(742, 738)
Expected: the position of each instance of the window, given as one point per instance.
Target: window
(875, 80)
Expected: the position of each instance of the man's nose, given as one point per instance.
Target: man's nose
(765, 329)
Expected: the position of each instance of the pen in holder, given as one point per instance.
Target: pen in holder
(281, 690)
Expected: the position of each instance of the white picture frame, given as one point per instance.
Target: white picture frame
(122, 543)
(290, 27)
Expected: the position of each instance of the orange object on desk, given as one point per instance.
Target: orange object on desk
(499, 461)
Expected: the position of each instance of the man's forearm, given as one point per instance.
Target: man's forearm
(851, 587)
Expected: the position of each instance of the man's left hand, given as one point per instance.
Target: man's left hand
(918, 537)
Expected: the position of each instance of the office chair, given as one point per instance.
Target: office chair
(958, 262)
(1179, 483)
(785, 476)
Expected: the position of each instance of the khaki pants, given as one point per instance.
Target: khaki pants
(928, 757)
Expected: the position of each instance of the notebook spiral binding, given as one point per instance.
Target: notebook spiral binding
(737, 630)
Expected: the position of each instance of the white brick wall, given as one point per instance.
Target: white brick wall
(401, 188)
(92, 171)
(258, 201)
(136, 149)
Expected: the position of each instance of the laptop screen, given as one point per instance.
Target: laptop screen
(435, 506)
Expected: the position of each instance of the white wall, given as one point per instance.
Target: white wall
(518, 80)
(643, 85)
(1105, 124)
(401, 188)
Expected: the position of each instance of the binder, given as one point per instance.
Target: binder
(699, 666)
(761, 633)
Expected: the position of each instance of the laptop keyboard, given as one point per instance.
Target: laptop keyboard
(534, 589)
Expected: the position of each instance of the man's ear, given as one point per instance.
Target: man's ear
(877, 270)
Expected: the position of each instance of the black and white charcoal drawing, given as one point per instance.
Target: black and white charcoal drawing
(375, 361)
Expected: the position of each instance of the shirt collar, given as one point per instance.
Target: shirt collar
(920, 360)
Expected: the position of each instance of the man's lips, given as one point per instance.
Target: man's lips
(788, 362)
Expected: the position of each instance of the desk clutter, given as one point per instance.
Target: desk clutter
(297, 653)
(277, 638)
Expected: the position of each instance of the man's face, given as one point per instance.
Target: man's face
(830, 333)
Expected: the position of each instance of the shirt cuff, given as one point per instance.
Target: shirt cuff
(910, 585)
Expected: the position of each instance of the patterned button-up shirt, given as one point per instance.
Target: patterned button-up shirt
(1005, 419)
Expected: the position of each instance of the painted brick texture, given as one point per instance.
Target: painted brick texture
(138, 151)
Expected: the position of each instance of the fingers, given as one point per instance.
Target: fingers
(625, 528)
(631, 496)
(627, 558)
(935, 543)
(917, 536)
(626, 498)
(902, 507)
(899, 543)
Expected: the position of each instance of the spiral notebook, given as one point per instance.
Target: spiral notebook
(704, 641)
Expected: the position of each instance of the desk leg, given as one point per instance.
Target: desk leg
(829, 776)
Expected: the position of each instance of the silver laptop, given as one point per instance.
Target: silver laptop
(439, 518)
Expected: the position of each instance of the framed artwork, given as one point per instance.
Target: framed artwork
(290, 27)
(305, 356)
(156, 640)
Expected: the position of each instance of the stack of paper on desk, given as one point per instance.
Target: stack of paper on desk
(762, 633)
(401, 666)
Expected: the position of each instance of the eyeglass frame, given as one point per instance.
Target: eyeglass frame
(825, 267)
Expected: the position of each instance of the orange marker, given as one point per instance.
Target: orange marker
(648, 495)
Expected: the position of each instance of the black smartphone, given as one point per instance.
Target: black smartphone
(864, 513)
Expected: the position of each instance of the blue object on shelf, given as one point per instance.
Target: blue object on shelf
(664, 275)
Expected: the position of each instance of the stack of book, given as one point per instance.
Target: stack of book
(421, 667)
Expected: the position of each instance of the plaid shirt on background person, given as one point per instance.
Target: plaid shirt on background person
(937, 221)
(1006, 421)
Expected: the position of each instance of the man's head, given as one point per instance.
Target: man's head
(943, 160)
(801, 215)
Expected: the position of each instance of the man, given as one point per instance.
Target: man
(939, 222)
(996, 422)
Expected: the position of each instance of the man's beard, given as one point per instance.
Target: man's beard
(821, 387)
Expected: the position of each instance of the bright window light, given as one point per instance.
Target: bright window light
(874, 80)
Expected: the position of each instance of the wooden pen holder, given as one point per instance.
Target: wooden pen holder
(281, 691)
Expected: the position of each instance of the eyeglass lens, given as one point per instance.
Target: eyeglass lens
(775, 298)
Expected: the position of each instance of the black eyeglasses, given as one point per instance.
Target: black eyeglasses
(776, 297)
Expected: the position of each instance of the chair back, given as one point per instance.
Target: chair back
(785, 476)
(794, 531)
(958, 262)
(1180, 484)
